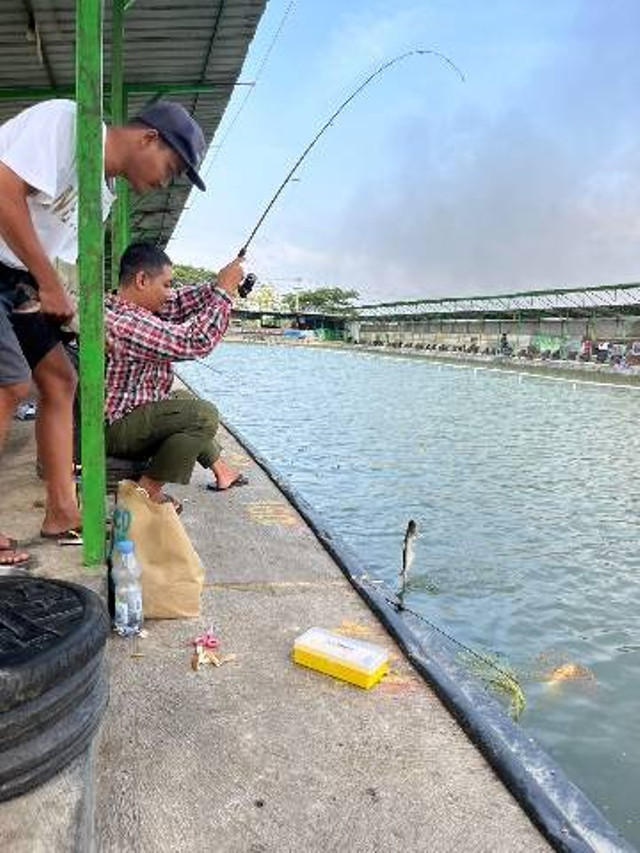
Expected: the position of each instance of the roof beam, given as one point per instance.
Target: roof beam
(38, 93)
(42, 53)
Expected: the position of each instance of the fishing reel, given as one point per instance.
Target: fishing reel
(247, 284)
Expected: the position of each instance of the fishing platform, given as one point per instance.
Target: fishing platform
(259, 754)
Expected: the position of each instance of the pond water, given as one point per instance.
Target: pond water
(526, 494)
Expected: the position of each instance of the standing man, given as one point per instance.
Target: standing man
(38, 223)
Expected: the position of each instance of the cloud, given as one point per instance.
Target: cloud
(544, 193)
(526, 176)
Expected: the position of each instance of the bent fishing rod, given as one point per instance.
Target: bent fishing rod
(249, 280)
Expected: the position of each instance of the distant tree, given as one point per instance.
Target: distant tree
(322, 299)
(185, 274)
(264, 297)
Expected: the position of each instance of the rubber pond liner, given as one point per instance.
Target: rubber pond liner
(557, 806)
(53, 684)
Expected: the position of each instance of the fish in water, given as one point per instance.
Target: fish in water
(410, 536)
(569, 672)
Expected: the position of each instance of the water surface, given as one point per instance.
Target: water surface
(527, 498)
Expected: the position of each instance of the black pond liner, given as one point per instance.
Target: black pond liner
(564, 814)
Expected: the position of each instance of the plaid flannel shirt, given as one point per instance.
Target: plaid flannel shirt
(142, 345)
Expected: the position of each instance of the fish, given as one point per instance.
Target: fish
(568, 672)
(410, 536)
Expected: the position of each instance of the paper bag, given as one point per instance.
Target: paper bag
(172, 574)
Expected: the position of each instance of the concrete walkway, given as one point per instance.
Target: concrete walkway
(262, 755)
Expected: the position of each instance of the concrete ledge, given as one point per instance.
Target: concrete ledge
(262, 755)
(56, 817)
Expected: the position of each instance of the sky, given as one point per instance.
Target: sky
(525, 176)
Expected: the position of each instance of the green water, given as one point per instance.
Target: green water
(527, 496)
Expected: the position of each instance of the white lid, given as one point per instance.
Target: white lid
(345, 650)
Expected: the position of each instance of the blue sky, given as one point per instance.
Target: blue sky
(527, 175)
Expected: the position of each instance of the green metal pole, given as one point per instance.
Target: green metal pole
(89, 158)
(120, 210)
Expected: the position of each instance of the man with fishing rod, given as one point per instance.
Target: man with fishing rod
(39, 224)
(146, 331)
(149, 325)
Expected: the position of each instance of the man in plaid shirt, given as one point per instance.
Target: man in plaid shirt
(148, 326)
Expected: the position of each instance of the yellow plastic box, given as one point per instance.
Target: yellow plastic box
(350, 660)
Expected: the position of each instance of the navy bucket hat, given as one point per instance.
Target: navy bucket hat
(181, 132)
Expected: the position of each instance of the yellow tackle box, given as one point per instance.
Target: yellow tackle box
(350, 660)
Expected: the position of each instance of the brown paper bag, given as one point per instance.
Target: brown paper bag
(172, 574)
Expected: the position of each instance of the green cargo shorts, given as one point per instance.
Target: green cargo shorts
(174, 433)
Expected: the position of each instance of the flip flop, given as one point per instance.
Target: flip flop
(26, 411)
(73, 536)
(12, 544)
(240, 480)
(18, 570)
(169, 499)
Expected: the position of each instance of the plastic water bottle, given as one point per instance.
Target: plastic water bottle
(128, 592)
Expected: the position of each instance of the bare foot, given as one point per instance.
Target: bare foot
(6, 542)
(225, 475)
(10, 554)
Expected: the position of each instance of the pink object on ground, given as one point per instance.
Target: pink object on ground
(208, 640)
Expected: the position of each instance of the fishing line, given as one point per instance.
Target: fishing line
(483, 658)
(202, 362)
(217, 148)
(331, 119)
(250, 91)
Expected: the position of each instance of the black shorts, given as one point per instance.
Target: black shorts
(36, 333)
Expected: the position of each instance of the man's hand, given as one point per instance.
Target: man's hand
(54, 300)
(18, 232)
(230, 277)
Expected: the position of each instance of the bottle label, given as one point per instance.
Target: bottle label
(121, 616)
(135, 609)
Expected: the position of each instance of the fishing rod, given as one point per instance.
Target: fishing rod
(249, 281)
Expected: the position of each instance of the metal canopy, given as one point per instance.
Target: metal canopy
(570, 302)
(190, 51)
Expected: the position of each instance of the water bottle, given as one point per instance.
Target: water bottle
(128, 592)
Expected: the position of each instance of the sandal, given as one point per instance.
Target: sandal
(169, 499)
(240, 480)
(73, 536)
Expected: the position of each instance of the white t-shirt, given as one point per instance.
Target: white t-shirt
(39, 145)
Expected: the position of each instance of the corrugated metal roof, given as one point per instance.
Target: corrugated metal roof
(189, 42)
